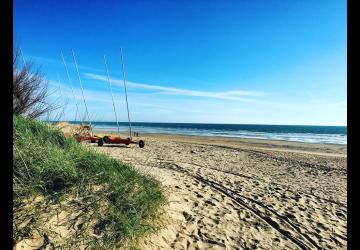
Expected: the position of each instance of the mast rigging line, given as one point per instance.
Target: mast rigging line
(127, 103)
(82, 91)
(23, 58)
(112, 95)
(59, 82)
(72, 89)
(60, 91)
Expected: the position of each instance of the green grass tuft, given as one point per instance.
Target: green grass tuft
(50, 165)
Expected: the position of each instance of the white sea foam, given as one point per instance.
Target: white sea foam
(299, 137)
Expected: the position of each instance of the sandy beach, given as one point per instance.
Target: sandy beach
(226, 193)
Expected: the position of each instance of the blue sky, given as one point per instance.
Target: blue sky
(263, 62)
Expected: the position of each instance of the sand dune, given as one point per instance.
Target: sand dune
(244, 194)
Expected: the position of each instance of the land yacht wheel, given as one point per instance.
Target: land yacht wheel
(106, 139)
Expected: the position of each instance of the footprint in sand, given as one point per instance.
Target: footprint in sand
(340, 215)
(199, 195)
(188, 217)
(216, 221)
(209, 202)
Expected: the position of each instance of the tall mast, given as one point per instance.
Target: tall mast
(112, 95)
(60, 92)
(72, 89)
(62, 98)
(82, 90)
(127, 103)
(59, 82)
(23, 58)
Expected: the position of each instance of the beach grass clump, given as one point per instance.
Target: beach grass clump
(115, 204)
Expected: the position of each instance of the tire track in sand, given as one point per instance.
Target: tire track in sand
(279, 223)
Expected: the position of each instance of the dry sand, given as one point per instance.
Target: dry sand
(226, 193)
(244, 194)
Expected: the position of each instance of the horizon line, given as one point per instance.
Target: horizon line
(267, 124)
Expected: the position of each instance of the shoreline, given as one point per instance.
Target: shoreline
(240, 193)
(267, 144)
(222, 192)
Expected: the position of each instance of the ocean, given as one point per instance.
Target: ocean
(309, 134)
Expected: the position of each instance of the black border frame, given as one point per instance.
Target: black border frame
(6, 23)
(6, 206)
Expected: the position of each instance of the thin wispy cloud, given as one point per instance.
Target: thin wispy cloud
(59, 63)
(96, 96)
(145, 106)
(238, 95)
(103, 96)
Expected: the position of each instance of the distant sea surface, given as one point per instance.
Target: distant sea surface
(310, 134)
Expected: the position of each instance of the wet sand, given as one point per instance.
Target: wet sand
(227, 193)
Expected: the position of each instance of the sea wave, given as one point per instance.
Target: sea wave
(326, 138)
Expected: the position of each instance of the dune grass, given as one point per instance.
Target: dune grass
(123, 203)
